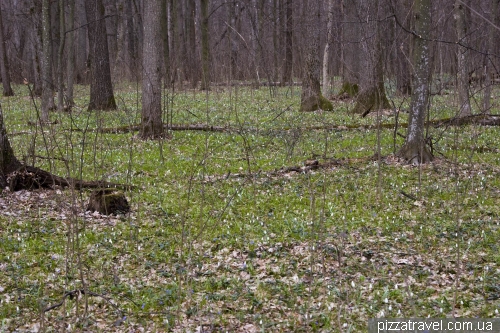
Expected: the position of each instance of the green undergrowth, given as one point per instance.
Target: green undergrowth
(219, 238)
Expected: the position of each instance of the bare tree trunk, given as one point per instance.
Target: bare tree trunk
(47, 82)
(351, 47)
(414, 149)
(4, 63)
(329, 42)
(101, 88)
(205, 47)
(288, 64)
(60, 70)
(8, 161)
(463, 59)
(81, 53)
(488, 68)
(192, 62)
(311, 98)
(152, 126)
(372, 94)
(165, 39)
(71, 55)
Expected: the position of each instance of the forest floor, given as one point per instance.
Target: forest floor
(242, 230)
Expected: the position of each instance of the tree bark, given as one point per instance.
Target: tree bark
(70, 69)
(462, 60)
(414, 149)
(8, 161)
(47, 82)
(372, 94)
(351, 49)
(205, 47)
(101, 88)
(311, 98)
(4, 63)
(488, 68)
(329, 42)
(60, 70)
(151, 126)
(288, 64)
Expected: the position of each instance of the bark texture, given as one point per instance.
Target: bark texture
(101, 88)
(4, 63)
(329, 42)
(311, 98)
(414, 149)
(372, 94)
(462, 61)
(151, 126)
(351, 48)
(8, 161)
(205, 47)
(47, 82)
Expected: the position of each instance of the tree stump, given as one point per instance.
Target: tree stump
(108, 201)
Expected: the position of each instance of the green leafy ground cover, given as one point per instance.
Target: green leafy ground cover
(220, 240)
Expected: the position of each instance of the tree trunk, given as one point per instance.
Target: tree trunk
(372, 94)
(205, 47)
(101, 88)
(311, 98)
(8, 161)
(288, 64)
(414, 149)
(191, 60)
(488, 68)
(151, 126)
(462, 61)
(351, 48)
(60, 70)
(329, 42)
(4, 64)
(71, 55)
(47, 82)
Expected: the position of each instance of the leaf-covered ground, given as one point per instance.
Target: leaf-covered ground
(224, 236)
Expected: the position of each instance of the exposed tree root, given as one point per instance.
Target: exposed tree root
(31, 178)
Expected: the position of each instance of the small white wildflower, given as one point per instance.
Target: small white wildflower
(353, 284)
(386, 300)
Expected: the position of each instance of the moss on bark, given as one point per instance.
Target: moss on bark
(370, 100)
(351, 89)
(314, 103)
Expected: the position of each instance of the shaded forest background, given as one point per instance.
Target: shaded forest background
(216, 42)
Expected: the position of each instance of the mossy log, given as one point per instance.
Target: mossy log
(108, 201)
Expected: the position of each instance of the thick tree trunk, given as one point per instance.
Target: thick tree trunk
(372, 94)
(462, 61)
(151, 126)
(205, 47)
(414, 149)
(311, 98)
(351, 47)
(4, 64)
(47, 82)
(101, 88)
